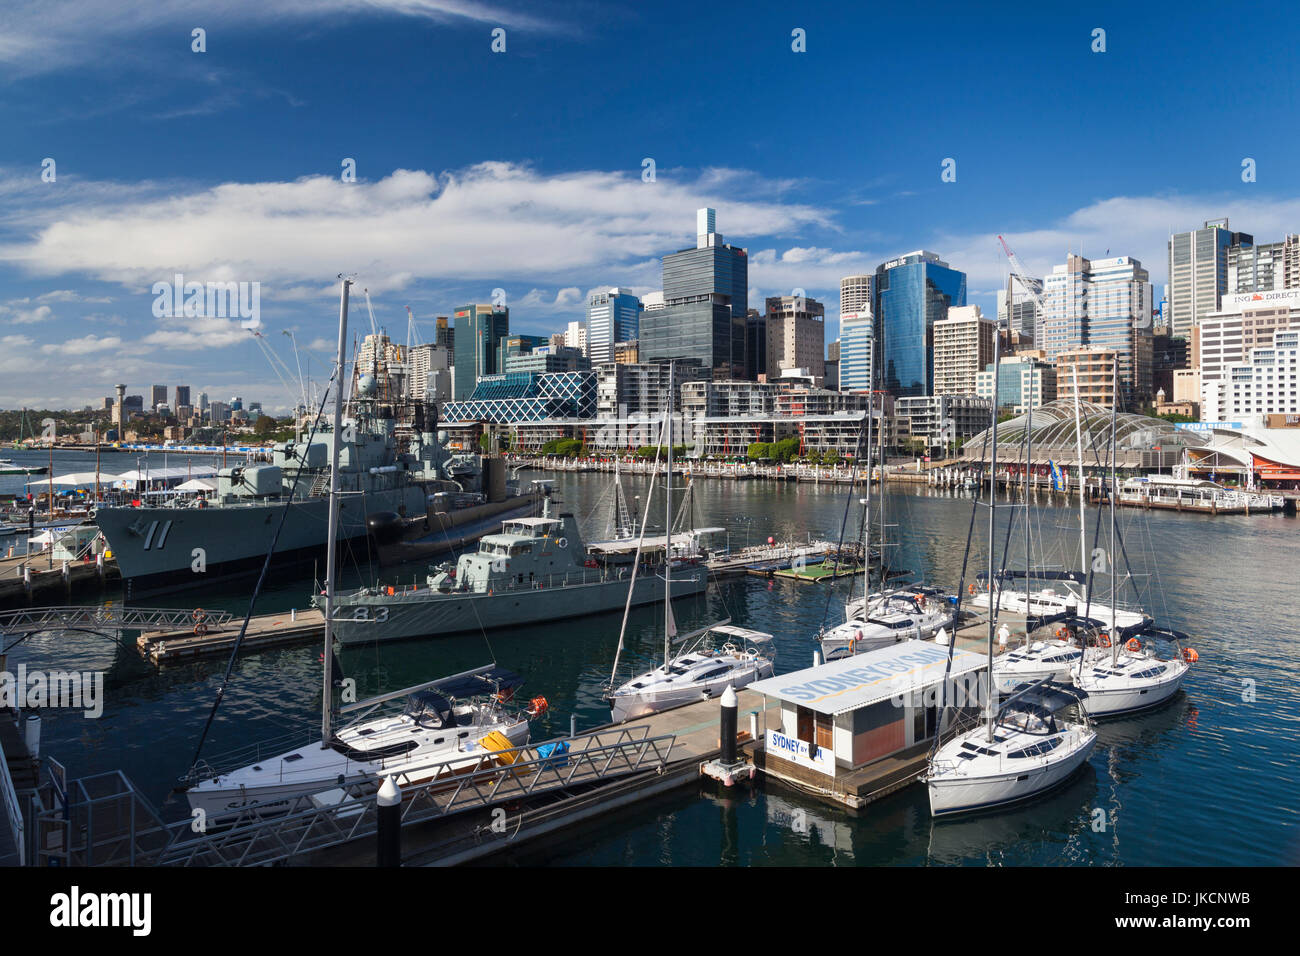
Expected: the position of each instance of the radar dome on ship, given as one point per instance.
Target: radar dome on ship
(366, 385)
(443, 436)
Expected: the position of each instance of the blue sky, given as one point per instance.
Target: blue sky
(522, 170)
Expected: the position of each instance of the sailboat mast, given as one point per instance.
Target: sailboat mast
(668, 528)
(1114, 405)
(1078, 450)
(1029, 457)
(866, 514)
(331, 548)
(993, 500)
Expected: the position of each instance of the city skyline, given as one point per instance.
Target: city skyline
(155, 182)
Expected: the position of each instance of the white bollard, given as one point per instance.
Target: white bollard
(32, 735)
(753, 725)
(817, 658)
(65, 570)
(293, 614)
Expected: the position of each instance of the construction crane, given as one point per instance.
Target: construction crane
(1032, 286)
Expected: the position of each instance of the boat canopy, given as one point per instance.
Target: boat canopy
(1078, 577)
(1047, 695)
(472, 685)
(430, 709)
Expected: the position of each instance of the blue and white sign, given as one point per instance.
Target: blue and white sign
(796, 751)
(1208, 426)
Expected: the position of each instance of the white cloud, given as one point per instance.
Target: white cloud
(43, 35)
(27, 316)
(86, 345)
(197, 333)
(490, 221)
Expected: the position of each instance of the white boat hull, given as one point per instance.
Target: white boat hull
(953, 793)
(1103, 701)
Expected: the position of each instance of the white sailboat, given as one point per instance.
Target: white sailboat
(1134, 674)
(697, 673)
(1058, 648)
(1023, 749)
(440, 732)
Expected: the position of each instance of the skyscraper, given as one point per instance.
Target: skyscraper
(1102, 304)
(1022, 314)
(857, 349)
(910, 294)
(1198, 273)
(706, 291)
(479, 331)
(159, 396)
(796, 336)
(613, 315)
(182, 396)
(855, 295)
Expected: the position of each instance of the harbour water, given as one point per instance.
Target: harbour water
(1210, 779)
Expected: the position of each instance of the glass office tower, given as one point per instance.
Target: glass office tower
(479, 331)
(911, 293)
(706, 298)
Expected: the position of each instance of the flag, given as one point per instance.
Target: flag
(1056, 475)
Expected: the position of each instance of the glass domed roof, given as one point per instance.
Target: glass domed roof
(1053, 426)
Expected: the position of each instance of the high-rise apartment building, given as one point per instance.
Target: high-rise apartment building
(1090, 372)
(1104, 304)
(479, 331)
(910, 294)
(705, 296)
(158, 396)
(1198, 273)
(963, 346)
(182, 396)
(613, 315)
(796, 336)
(423, 361)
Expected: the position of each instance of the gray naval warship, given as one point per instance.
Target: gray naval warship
(534, 570)
(391, 489)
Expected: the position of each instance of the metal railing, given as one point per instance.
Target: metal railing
(110, 824)
(13, 810)
(100, 618)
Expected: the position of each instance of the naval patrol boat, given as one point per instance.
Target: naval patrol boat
(191, 543)
(536, 569)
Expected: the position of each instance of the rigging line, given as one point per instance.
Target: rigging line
(336, 379)
(1006, 544)
(956, 615)
(636, 559)
(848, 501)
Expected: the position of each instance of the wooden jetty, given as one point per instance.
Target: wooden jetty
(264, 631)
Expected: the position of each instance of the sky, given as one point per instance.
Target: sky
(127, 156)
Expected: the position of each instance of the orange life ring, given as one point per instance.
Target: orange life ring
(199, 614)
(1133, 645)
(1190, 655)
(1103, 640)
(200, 629)
(970, 589)
(537, 706)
